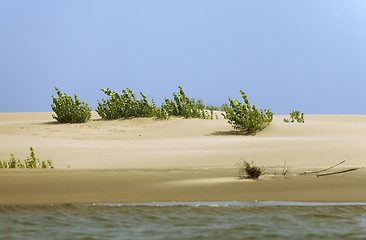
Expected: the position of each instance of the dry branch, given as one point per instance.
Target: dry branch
(333, 173)
(323, 170)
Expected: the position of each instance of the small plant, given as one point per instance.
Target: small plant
(249, 171)
(295, 116)
(243, 116)
(30, 162)
(285, 170)
(69, 110)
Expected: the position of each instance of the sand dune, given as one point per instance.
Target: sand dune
(180, 159)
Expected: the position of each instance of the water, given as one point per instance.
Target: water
(176, 220)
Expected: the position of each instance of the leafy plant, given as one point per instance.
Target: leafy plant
(243, 116)
(295, 116)
(209, 107)
(30, 162)
(223, 107)
(211, 112)
(183, 106)
(199, 103)
(125, 105)
(249, 171)
(69, 110)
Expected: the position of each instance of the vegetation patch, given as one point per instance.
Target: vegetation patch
(69, 110)
(295, 116)
(126, 106)
(30, 162)
(183, 106)
(243, 116)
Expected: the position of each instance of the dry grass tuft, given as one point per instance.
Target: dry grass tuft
(249, 171)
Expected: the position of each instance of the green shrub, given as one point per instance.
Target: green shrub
(128, 106)
(224, 107)
(246, 117)
(70, 110)
(30, 162)
(182, 106)
(209, 107)
(295, 116)
(199, 103)
(125, 105)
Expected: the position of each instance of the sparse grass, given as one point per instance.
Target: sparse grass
(30, 162)
(279, 171)
(249, 171)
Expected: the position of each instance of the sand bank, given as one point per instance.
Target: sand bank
(180, 160)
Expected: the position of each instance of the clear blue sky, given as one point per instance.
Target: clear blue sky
(308, 55)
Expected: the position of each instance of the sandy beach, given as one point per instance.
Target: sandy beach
(145, 160)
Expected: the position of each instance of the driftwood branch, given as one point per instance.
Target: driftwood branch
(323, 170)
(333, 173)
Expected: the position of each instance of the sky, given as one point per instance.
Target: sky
(284, 54)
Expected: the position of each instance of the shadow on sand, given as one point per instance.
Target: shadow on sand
(230, 133)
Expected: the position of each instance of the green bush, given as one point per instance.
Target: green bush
(30, 162)
(128, 106)
(243, 116)
(125, 105)
(212, 107)
(224, 107)
(295, 116)
(70, 110)
(199, 103)
(183, 106)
